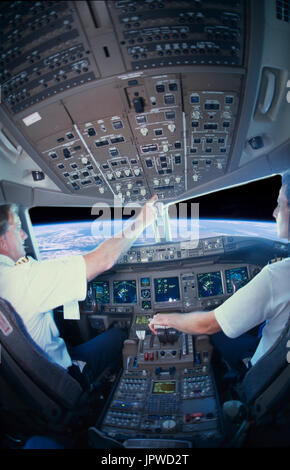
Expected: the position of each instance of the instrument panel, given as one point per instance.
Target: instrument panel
(177, 289)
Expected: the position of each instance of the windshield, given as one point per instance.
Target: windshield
(241, 211)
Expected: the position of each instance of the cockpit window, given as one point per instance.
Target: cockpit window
(241, 211)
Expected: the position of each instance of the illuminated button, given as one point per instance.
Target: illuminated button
(197, 415)
(84, 160)
(151, 356)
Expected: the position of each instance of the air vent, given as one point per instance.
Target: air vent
(282, 10)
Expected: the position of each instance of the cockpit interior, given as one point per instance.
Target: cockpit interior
(103, 105)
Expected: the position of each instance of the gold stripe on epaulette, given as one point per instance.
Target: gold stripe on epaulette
(275, 260)
(22, 260)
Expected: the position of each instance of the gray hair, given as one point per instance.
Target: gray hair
(5, 211)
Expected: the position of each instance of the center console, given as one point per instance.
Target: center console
(166, 391)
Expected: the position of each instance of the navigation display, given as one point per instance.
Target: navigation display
(102, 291)
(210, 284)
(124, 292)
(238, 275)
(167, 289)
(164, 387)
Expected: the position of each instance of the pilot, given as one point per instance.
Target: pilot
(263, 301)
(35, 288)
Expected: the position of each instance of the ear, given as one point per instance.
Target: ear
(3, 244)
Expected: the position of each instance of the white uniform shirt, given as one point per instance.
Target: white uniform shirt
(266, 297)
(35, 288)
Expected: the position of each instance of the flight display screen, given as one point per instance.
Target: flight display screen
(167, 289)
(164, 387)
(238, 275)
(102, 291)
(145, 282)
(124, 292)
(210, 284)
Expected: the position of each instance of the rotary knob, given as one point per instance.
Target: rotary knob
(195, 114)
(169, 425)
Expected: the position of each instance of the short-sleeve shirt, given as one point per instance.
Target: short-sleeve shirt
(265, 298)
(34, 289)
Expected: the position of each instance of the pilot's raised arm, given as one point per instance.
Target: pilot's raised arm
(105, 255)
(35, 288)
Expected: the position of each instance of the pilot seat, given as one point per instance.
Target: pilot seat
(38, 397)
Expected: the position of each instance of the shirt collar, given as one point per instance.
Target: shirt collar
(6, 260)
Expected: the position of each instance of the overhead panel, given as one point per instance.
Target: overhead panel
(44, 51)
(163, 117)
(169, 33)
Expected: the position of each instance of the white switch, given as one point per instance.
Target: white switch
(195, 114)
(171, 127)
